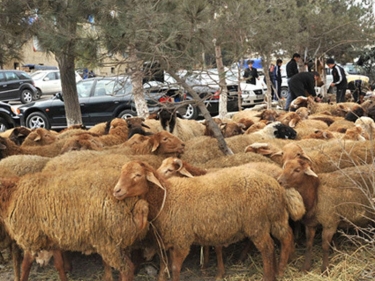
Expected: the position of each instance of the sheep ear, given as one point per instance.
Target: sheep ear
(304, 156)
(144, 125)
(279, 153)
(151, 177)
(185, 173)
(292, 123)
(310, 172)
(155, 145)
(38, 138)
(181, 169)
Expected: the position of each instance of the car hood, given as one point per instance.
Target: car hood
(42, 104)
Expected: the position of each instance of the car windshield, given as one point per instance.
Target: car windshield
(37, 75)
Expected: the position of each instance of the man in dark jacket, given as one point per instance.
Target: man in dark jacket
(278, 78)
(251, 73)
(303, 82)
(339, 80)
(291, 70)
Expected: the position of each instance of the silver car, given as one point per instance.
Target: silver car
(48, 82)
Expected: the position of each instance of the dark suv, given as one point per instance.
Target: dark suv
(16, 85)
(9, 117)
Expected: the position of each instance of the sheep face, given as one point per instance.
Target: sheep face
(295, 173)
(172, 166)
(166, 143)
(134, 180)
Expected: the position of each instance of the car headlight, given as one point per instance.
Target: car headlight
(246, 92)
(15, 110)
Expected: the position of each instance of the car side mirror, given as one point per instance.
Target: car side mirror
(45, 79)
(59, 96)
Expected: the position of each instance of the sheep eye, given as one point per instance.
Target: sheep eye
(298, 170)
(165, 139)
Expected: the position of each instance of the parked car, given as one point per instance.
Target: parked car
(16, 85)
(100, 98)
(48, 82)
(206, 84)
(9, 117)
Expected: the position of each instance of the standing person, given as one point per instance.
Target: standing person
(303, 82)
(271, 73)
(339, 80)
(278, 78)
(291, 70)
(251, 73)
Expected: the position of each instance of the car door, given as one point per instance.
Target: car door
(84, 90)
(107, 96)
(11, 86)
(51, 83)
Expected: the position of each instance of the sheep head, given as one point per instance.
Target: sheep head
(296, 172)
(173, 166)
(165, 143)
(134, 180)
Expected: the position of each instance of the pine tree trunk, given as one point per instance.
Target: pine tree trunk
(137, 83)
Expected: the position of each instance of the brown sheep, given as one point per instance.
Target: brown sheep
(73, 212)
(152, 149)
(82, 142)
(340, 198)
(333, 155)
(39, 137)
(228, 128)
(182, 218)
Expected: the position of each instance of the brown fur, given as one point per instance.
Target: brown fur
(184, 216)
(57, 220)
(39, 137)
(331, 199)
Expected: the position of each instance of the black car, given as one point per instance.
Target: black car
(9, 117)
(100, 98)
(16, 85)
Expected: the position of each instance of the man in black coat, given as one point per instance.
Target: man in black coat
(291, 70)
(303, 82)
(251, 73)
(339, 80)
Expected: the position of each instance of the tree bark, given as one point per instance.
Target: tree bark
(137, 83)
(209, 121)
(223, 102)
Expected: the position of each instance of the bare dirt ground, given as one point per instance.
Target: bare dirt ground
(349, 263)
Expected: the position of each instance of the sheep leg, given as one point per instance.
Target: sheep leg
(128, 273)
(245, 251)
(58, 262)
(177, 256)
(327, 235)
(310, 234)
(287, 250)
(266, 248)
(107, 272)
(67, 262)
(26, 265)
(17, 259)
(220, 262)
(206, 256)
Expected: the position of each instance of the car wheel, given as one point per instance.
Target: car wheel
(4, 125)
(189, 112)
(284, 92)
(26, 96)
(37, 95)
(127, 114)
(37, 120)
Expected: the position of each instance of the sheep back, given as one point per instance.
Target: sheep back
(76, 212)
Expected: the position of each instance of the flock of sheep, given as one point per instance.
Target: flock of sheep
(133, 188)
